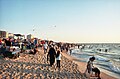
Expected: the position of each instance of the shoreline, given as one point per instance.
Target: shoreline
(82, 66)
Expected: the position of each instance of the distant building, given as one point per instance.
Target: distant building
(3, 34)
(30, 36)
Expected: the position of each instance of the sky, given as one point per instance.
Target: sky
(78, 21)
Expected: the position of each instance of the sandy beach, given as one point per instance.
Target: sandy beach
(29, 66)
(36, 67)
(59, 39)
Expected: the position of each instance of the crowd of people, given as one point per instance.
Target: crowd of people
(11, 45)
(9, 48)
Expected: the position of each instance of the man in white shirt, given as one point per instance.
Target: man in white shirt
(45, 46)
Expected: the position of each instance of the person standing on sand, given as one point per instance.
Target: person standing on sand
(51, 56)
(8, 43)
(70, 51)
(45, 47)
(58, 58)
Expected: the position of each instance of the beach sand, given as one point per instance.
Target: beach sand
(82, 66)
(29, 66)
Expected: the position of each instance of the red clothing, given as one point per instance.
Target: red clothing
(0, 41)
(42, 42)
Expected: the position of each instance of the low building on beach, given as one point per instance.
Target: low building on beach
(3, 34)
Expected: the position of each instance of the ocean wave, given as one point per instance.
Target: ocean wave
(103, 60)
(100, 58)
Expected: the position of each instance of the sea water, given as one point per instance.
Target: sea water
(106, 60)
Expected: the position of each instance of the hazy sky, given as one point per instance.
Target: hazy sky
(63, 20)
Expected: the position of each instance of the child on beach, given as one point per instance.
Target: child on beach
(91, 68)
(58, 58)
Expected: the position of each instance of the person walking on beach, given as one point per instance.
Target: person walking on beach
(58, 58)
(51, 56)
(91, 68)
(45, 47)
(70, 51)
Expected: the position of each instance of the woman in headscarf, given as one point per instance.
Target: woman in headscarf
(51, 56)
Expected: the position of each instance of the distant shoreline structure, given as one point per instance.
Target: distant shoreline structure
(6, 34)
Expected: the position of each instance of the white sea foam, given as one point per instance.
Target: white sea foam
(109, 60)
